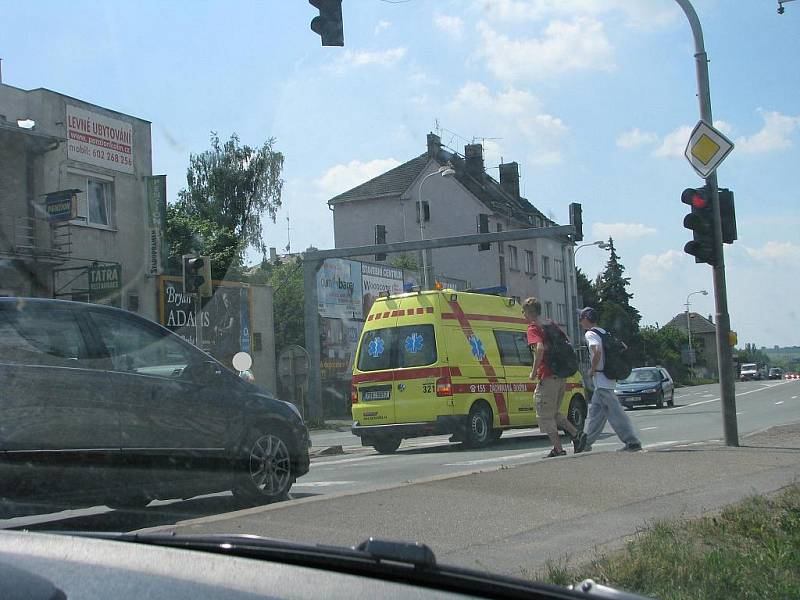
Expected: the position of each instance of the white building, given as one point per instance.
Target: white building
(100, 161)
(451, 206)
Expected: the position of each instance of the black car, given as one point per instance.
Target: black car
(104, 404)
(646, 385)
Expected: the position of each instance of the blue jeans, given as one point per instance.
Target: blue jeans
(606, 407)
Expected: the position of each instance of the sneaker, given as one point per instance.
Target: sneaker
(579, 442)
(630, 448)
(555, 452)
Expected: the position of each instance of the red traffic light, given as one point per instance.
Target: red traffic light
(694, 198)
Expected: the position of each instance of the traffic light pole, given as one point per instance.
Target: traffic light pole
(723, 326)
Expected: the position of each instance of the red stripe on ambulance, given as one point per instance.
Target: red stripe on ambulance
(499, 398)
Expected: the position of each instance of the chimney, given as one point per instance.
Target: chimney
(273, 254)
(509, 179)
(434, 145)
(473, 154)
(711, 318)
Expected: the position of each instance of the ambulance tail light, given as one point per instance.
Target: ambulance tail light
(353, 394)
(444, 387)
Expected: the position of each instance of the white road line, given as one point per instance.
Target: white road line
(325, 463)
(794, 397)
(647, 428)
(779, 403)
(321, 483)
(468, 463)
(668, 443)
(741, 412)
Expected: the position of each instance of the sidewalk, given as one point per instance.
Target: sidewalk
(512, 520)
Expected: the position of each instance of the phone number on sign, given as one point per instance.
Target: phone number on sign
(110, 156)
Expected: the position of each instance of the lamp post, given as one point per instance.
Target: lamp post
(603, 246)
(445, 171)
(689, 330)
(600, 244)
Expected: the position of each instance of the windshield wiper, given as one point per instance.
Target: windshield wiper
(403, 562)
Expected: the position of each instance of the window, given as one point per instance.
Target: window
(426, 211)
(513, 347)
(514, 254)
(38, 338)
(530, 263)
(562, 313)
(546, 267)
(548, 310)
(133, 347)
(559, 267)
(397, 347)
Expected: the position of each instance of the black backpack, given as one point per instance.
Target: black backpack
(616, 364)
(560, 356)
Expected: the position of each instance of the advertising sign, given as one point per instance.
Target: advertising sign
(61, 206)
(104, 279)
(339, 289)
(377, 279)
(157, 217)
(99, 140)
(224, 320)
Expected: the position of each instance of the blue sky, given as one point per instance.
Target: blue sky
(594, 99)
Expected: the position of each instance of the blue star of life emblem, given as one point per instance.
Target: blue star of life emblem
(376, 347)
(477, 347)
(414, 343)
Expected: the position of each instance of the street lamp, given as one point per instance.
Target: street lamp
(603, 246)
(600, 244)
(445, 171)
(689, 329)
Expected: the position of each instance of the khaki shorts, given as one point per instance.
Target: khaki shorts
(548, 397)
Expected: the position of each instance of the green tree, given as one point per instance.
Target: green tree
(229, 188)
(587, 294)
(288, 297)
(663, 347)
(616, 312)
(404, 261)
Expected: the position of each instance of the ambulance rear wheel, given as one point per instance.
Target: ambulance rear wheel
(479, 427)
(387, 445)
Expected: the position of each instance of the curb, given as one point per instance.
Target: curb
(326, 451)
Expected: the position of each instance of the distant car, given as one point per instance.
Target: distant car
(645, 386)
(749, 372)
(101, 403)
(776, 373)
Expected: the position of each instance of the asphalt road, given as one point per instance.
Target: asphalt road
(695, 418)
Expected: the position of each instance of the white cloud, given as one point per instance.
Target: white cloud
(563, 46)
(653, 267)
(384, 58)
(511, 113)
(452, 26)
(638, 14)
(341, 178)
(773, 136)
(776, 252)
(603, 231)
(635, 137)
(674, 143)
(381, 26)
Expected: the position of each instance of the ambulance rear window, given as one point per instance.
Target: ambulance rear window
(397, 348)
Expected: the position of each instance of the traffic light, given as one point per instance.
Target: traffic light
(727, 215)
(328, 25)
(197, 275)
(380, 238)
(701, 222)
(576, 220)
(483, 227)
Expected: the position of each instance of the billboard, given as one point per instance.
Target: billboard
(376, 279)
(339, 289)
(99, 140)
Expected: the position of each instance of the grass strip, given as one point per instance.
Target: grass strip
(751, 550)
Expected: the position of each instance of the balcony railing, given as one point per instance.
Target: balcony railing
(27, 237)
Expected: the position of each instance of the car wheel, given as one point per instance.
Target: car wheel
(671, 401)
(660, 400)
(496, 433)
(387, 445)
(267, 468)
(479, 427)
(576, 413)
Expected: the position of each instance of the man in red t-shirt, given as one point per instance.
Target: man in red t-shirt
(549, 391)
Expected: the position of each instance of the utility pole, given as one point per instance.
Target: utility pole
(726, 383)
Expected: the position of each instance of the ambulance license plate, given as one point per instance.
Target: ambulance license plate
(375, 395)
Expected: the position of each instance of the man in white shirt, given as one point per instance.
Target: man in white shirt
(604, 406)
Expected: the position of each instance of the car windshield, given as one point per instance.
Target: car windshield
(203, 205)
(642, 376)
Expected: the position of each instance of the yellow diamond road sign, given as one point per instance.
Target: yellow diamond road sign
(707, 148)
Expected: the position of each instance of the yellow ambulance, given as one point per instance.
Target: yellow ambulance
(446, 362)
